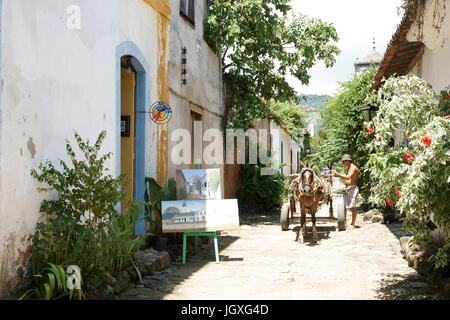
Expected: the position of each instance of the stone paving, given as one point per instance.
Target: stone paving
(259, 261)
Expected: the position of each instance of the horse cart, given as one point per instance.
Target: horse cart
(307, 194)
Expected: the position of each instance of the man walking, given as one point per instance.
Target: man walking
(351, 189)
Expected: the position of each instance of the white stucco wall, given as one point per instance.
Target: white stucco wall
(434, 66)
(54, 81)
(276, 148)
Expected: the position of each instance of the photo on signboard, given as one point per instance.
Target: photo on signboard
(198, 184)
(200, 215)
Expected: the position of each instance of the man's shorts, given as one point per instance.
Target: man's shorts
(350, 194)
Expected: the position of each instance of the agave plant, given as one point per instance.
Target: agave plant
(51, 284)
(154, 195)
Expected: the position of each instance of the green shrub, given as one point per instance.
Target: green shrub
(413, 175)
(258, 191)
(83, 226)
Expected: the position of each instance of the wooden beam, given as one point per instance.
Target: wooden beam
(415, 59)
(160, 6)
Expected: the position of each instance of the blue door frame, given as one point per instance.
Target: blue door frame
(142, 101)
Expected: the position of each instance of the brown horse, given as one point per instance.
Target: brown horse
(308, 190)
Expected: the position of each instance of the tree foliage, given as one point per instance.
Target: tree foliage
(347, 133)
(290, 117)
(259, 45)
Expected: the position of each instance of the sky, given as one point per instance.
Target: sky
(356, 22)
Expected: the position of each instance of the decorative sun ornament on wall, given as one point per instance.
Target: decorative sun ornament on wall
(160, 112)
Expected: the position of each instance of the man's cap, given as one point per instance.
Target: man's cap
(346, 157)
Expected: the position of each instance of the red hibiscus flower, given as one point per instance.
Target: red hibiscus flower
(389, 202)
(441, 115)
(398, 194)
(443, 98)
(426, 140)
(370, 130)
(406, 136)
(409, 157)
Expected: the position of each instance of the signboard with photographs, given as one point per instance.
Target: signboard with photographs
(198, 184)
(200, 215)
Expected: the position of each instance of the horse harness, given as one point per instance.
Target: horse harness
(315, 185)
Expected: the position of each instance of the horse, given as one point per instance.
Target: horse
(309, 191)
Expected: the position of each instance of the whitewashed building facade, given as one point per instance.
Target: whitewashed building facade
(75, 65)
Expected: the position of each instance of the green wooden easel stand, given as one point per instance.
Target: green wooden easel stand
(197, 234)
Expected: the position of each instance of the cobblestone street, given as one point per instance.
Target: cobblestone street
(259, 261)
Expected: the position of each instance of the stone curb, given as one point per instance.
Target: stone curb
(414, 254)
(149, 262)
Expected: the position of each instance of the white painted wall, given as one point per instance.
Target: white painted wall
(54, 81)
(276, 151)
(434, 66)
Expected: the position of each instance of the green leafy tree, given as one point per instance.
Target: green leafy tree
(290, 117)
(347, 132)
(259, 45)
(326, 148)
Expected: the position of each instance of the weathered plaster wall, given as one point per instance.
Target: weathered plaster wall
(203, 91)
(57, 80)
(286, 139)
(434, 66)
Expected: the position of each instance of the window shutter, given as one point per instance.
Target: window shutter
(191, 12)
(282, 151)
(183, 6)
(206, 9)
(187, 8)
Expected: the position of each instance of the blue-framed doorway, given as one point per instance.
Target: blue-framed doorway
(140, 67)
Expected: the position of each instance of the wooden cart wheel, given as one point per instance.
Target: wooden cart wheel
(340, 216)
(284, 217)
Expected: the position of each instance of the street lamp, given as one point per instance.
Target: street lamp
(369, 112)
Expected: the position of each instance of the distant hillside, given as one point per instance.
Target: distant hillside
(313, 100)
